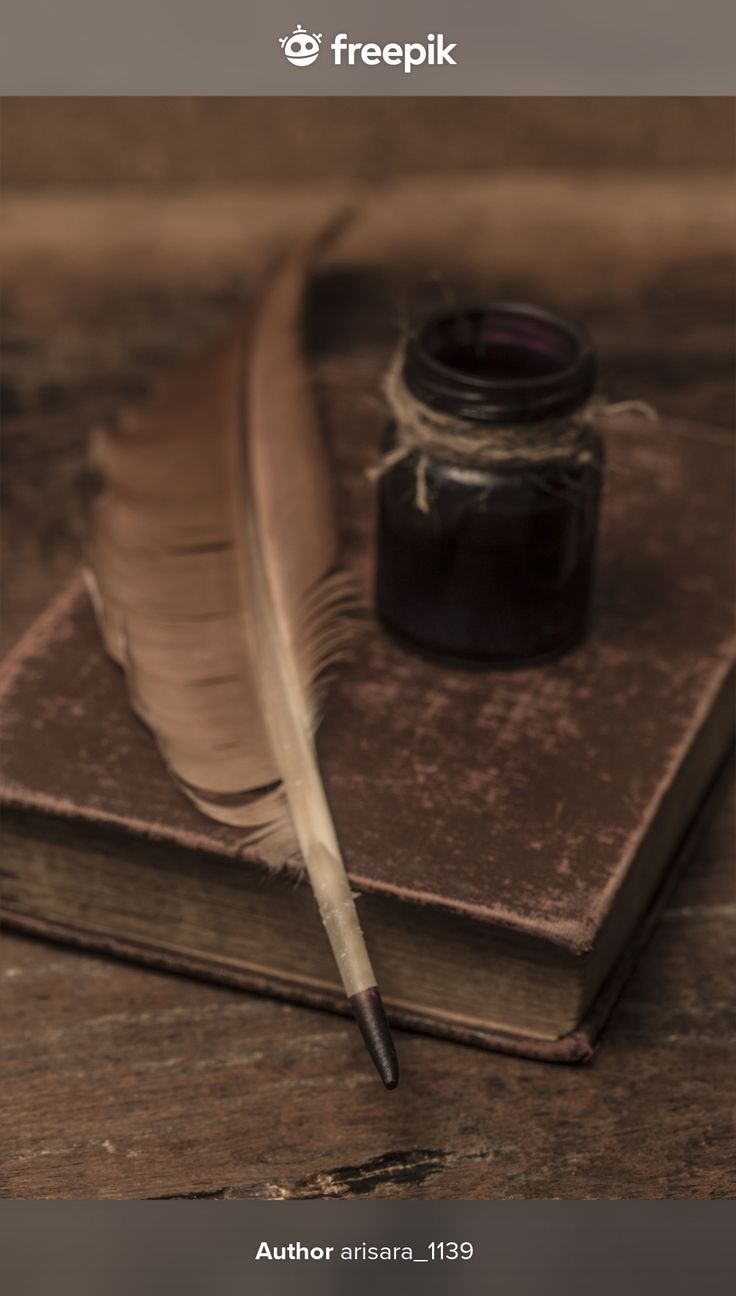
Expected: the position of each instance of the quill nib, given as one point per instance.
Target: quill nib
(370, 1015)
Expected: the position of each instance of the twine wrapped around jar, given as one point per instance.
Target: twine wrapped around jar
(433, 435)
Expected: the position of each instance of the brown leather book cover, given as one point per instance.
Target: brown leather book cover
(525, 800)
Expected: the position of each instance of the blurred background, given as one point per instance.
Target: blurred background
(158, 143)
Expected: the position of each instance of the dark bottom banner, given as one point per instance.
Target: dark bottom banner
(244, 1248)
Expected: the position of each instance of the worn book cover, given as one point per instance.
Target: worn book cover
(508, 832)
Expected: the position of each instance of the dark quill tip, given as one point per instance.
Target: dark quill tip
(370, 1015)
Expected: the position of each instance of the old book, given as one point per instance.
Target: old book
(510, 833)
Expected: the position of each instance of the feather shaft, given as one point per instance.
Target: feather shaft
(312, 821)
(289, 722)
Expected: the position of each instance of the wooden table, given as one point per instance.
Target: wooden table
(122, 1082)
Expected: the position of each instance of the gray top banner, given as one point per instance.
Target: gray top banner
(385, 47)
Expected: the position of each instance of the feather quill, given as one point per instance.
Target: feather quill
(212, 555)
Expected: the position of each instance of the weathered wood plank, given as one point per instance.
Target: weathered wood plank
(125, 1082)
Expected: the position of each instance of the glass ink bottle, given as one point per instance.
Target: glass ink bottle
(489, 487)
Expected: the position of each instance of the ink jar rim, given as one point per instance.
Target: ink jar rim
(555, 363)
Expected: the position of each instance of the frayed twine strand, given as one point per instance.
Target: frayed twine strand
(431, 435)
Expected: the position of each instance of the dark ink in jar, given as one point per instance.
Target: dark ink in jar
(489, 487)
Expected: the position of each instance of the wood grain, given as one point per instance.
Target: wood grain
(120, 1082)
